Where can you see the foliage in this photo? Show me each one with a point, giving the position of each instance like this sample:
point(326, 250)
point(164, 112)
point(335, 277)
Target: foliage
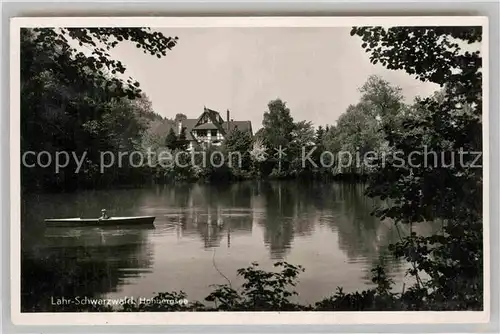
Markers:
point(261, 291)
point(179, 168)
point(379, 298)
point(437, 190)
point(73, 99)
point(171, 140)
point(320, 132)
point(432, 54)
point(273, 291)
point(237, 146)
point(179, 117)
point(303, 138)
point(277, 125)
point(357, 133)
point(276, 133)
point(182, 143)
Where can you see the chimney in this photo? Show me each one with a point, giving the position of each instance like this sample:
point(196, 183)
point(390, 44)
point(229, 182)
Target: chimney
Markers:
point(228, 120)
point(179, 128)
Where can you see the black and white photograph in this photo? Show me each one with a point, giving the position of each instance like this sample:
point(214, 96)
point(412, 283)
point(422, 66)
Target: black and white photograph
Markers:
point(209, 166)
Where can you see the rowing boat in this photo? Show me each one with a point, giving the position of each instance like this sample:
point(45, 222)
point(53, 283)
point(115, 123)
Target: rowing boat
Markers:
point(118, 221)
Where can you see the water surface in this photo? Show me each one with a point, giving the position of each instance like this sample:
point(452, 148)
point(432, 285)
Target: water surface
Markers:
point(326, 228)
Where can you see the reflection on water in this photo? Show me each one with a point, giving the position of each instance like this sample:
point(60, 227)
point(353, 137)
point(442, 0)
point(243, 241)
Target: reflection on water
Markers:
point(327, 228)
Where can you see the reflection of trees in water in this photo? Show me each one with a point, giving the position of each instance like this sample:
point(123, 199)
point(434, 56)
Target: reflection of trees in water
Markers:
point(70, 266)
point(288, 209)
point(221, 211)
point(360, 235)
point(213, 212)
point(293, 209)
point(287, 213)
point(70, 262)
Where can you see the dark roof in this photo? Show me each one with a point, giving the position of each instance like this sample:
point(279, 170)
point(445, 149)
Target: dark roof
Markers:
point(243, 126)
point(188, 124)
point(213, 115)
point(206, 126)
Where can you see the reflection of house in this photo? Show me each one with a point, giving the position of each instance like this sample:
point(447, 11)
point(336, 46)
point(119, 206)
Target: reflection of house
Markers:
point(210, 128)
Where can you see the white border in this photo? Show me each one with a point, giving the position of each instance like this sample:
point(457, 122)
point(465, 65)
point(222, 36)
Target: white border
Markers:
point(234, 318)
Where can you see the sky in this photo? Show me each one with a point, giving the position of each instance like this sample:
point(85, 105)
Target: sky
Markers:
point(316, 71)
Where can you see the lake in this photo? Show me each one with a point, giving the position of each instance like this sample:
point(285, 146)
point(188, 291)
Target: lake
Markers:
point(201, 230)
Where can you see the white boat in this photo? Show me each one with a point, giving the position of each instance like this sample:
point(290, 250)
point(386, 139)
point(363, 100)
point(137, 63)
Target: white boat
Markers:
point(109, 221)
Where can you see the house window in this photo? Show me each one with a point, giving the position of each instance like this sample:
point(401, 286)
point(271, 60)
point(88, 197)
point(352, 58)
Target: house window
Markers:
point(213, 133)
point(201, 133)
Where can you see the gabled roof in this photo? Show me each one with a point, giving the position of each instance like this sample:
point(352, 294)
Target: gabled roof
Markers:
point(217, 123)
point(206, 126)
point(215, 117)
point(243, 126)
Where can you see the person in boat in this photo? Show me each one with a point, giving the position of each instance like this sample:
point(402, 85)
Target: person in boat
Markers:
point(104, 215)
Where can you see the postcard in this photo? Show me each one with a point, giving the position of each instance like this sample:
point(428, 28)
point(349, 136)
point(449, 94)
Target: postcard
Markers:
point(249, 170)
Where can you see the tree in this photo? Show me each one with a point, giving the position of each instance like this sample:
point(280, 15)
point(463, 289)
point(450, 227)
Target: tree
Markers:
point(303, 138)
point(303, 133)
point(276, 134)
point(50, 50)
point(171, 140)
point(430, 53)
point(449, 193)
point(357, 133)
point(182, 142)
point(180, 117)
point(380, 99)
point(73, 98)
point(277, 125)
point(239, 142)
point(320, 132)
point(258, 155)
